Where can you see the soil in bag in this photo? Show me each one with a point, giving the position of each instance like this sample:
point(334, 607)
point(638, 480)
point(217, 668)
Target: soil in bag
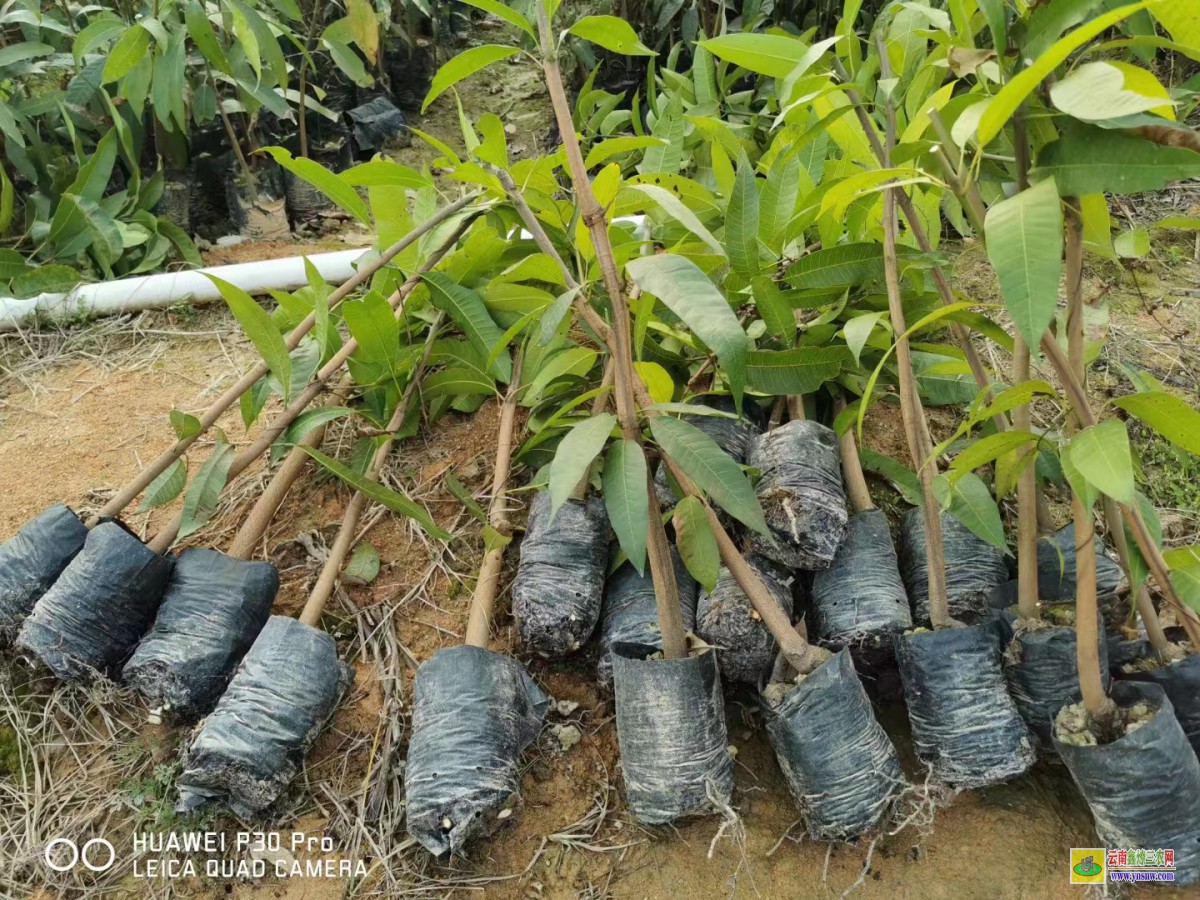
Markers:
point(1144, 787)
point(86, 625)
point(1041, 669)
point(840, 765)
point(251, 746)
point(176, 199)
point(671, 731)
point(974, 568)
point(630, 615)
point(556, 595)
point(801, 492)
point(733, 435)
point(860, 601)
point(376, 125)
point(208, 199)
point(31, 561)
point(965, 726)
point(259, 214)
point(409, 67)
point(1056, 566)
point(474, 713)
point(304, 202)
point(1181, 682)
point(726, 620)
point(213, 609)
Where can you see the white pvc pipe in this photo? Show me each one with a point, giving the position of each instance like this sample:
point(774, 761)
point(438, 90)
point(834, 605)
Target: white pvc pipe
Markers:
point(110, 298)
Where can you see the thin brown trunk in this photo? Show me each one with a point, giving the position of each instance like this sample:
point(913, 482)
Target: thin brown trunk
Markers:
point(795, 407)
point(852, 471)
point(1027, 524)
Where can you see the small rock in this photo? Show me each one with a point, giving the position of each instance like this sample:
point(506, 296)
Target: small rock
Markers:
point(510, 129)
point(504, 814)
point(566, 707)
point(732, 751)
point(231, 240)
point(568, 735)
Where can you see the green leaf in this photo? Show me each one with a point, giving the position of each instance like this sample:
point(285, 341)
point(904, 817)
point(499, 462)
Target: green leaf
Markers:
point(611, 33)
point(626, 499)
point(22, 51)
point(993, 12)
point(126, 53)
point(460, 491)
point(1133, 244)
point(183, 243)
point(12, 264)
point(381, 172)
point(7, 194)
point(800, 370)
point(1009, 98)
point(1088, 160)
point(329, 184)
point(364, 27)
point(372, 323)
point(857, 331)
point(777, 314)
point(1025, 246)
point(711, 468)
point(256, 323)
point(778, 202)
point(1097, 91)
point(741, 221)
point(696, 542)
point(505, 12)
point(603, 151)
point(574, 456)
point(184, 424)
point(200, 501)
point(990, 448)
point(675, 208)
point(668, 157)
point(54, 279)
point(94, 34)
point(363, 567)
point(94, 175)
point(1185, 573)
point(901, 477)
point(838, 266)
point(348, 61)
point(1168, 415)
point(465, 65)
point(969, 500)
point(469, 313)
point(165, 487)
point(685, 290)
point(393, 500)
point(1101, 455)
point(766, 54)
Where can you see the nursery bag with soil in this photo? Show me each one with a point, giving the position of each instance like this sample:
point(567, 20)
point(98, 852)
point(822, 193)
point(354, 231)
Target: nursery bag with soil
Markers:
point(31, 561)
point(630, 615)
point(671, 731)
point(1041, 669)
point(801, 493)
point(965, 726)
point(726, 620)
point(86, 625)
point(251, 746)
point(1180, 680)
point(375, 125)
point(474, 713)
point(556, 595)
point(974, 568)
point(860, 599)
point(1056, 566)
point(1144, 787)
point(213, 609)
point(840, 765)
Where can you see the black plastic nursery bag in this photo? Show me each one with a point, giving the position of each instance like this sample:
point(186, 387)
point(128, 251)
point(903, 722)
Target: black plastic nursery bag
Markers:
point(801, 493)
point(965, 726)
point(87, 624)
point(1181, 682)
point(1056, 566)
point(213, 609)
point(556, 595)
point(726, 620)
point(630, 614)
point(860, 599)
point(671, 730)
point(1144, 787)
point(840, 765)
point(974, 568)
point(252, 745)
point(374, 124)
point(474, 713)
point(31, 561)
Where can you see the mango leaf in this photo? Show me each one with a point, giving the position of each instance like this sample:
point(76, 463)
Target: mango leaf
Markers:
point(625, 498)
point(1101, 455)
point(332, 186)
point(696, 542)
point(1097, 91)
point(993, 12)
point(778, 201)
point(465, 65)
point(378, 172)
point(364, 27)
point(901, 477)
point(766, 54)
point(1139, 571)
point(659, 383)
point(256, 323)
point(713, 470)
point(393, 500)
point(94, 175)
point(988, 449)
point(94, 34)
point(44, 280)
point(165, 487)
point(1132, 244)
point(685, 290)
point(184, 424)
point(468, 311)
point(741, 221)
point(1088, 160)
point(969, 500)
point(203, 36)
point(1168, 415)
point(505, 12)
point(675, 208)
point(1185, 574)
point(574, 456)
point(800, 370)
point(1025, 246)
point(200, 501)
point(126, 53)
point(602, 151)
point(838, 266)
point(363, 567)
point(777, 314)
point(611, 33)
